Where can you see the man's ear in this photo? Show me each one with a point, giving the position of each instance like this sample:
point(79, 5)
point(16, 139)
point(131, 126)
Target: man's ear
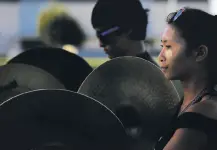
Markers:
point(201, 53)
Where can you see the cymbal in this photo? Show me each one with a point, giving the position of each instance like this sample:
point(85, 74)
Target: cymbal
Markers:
point(179, 88)
point(47, 117)
point(70, 69)
point(18, 78)
point(138, 93)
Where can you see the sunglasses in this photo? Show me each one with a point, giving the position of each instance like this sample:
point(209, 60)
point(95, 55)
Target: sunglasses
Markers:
point(174, 16)
point(106, 37)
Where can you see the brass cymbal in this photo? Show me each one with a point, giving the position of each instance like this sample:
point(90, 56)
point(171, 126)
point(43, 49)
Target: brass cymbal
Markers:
point(45, 117)
point(138, 93)
point(18, 78)
point(70, 69)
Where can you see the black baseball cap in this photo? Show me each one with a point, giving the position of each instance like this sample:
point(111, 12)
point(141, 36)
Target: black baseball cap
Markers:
point(128, 15)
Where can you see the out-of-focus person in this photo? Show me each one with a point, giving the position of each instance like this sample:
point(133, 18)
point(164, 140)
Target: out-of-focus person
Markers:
point(57, 28)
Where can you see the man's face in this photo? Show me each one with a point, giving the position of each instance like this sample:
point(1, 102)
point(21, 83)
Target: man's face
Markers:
point(114, 43)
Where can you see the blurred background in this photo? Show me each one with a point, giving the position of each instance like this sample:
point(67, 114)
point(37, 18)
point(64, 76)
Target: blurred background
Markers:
point(19, 24)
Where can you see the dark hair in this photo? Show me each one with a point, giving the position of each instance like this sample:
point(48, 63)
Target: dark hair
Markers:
point(197, 28)
point(65, 30)
point(128, 15)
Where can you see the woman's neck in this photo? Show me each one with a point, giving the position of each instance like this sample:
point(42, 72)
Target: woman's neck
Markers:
point(192, 87)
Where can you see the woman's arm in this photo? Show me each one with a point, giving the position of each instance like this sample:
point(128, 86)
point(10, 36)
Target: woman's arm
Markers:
point(187, 139)
point(191, 128)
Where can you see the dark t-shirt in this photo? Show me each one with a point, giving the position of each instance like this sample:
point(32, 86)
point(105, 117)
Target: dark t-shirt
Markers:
point(194, 121)
point(145, 55)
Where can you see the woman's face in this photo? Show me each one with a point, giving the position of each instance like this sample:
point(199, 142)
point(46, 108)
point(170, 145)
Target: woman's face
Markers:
point(173, 60)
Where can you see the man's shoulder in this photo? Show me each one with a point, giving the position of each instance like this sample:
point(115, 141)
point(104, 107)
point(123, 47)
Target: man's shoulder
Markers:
point(145, 55)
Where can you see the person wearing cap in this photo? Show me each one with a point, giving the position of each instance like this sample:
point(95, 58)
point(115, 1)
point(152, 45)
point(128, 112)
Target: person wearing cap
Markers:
point(121, 27)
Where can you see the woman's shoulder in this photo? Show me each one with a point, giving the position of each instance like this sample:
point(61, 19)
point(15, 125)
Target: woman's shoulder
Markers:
point(207, 108)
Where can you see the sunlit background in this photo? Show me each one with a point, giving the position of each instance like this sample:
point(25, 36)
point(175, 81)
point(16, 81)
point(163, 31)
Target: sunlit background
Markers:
point(18, 26)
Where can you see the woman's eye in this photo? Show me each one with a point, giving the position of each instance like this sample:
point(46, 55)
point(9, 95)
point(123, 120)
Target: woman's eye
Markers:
point(168, 46)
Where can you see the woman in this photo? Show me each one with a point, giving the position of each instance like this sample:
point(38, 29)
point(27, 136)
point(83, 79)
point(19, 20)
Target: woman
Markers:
point(189, 54)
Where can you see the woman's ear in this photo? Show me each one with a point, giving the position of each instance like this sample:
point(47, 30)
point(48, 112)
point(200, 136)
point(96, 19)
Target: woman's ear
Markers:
point(201, 53)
